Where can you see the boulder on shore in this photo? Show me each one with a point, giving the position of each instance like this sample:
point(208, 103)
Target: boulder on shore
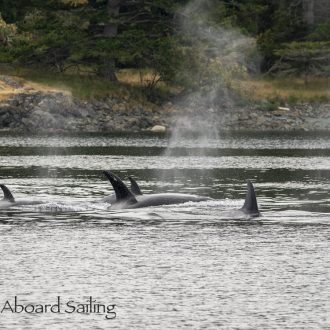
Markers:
point(158, 129)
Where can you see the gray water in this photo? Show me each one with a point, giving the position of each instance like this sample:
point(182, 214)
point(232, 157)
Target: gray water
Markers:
point(189, 266)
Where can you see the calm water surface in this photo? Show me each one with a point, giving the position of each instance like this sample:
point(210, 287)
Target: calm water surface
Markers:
point(189, 266)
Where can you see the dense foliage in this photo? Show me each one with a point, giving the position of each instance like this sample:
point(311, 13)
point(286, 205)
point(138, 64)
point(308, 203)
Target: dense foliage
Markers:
point(163, 36)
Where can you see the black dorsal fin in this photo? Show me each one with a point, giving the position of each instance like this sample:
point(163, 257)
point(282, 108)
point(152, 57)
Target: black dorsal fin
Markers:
point(250, 205)
point(8, 196)
point(135, 189)
point(123, 194)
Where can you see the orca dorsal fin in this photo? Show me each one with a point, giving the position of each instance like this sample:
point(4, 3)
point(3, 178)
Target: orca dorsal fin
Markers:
point(135, 189)
point(7, 195)
point(250, 205)
point(121, 190)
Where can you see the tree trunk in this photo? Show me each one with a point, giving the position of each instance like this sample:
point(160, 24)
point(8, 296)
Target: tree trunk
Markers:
point(107, 69)
point(111, 29)
point(308, 6)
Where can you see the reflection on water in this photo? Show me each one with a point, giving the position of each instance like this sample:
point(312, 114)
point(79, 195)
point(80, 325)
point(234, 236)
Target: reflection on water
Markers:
point(187, 266)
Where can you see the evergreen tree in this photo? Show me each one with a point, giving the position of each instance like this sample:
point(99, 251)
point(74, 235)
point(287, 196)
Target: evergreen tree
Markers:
point(106, 35)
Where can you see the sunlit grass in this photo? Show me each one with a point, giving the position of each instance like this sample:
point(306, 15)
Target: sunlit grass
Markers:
point(137, 77)
point(7, 91)
point(143, 78)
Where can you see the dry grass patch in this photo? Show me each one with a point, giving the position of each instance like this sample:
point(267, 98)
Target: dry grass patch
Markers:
point(291, 90)
point(137, 77)
point(7, 91)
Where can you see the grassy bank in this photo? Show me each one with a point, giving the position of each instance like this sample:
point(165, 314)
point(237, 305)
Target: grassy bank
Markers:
point(285, 90)
point(133, 85)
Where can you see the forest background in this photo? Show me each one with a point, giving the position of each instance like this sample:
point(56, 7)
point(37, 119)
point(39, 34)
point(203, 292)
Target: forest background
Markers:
point(164, 48)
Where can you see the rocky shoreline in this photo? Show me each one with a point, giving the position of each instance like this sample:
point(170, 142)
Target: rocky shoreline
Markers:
point(30, 110)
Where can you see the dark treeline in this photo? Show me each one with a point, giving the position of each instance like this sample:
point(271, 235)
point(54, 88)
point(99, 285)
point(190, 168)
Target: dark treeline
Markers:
point(102, 36)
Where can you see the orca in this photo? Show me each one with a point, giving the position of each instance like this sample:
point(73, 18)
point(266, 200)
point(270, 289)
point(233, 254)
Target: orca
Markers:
point(250, 206)
point(248, 210)
point(7, 195)
point(125, 199)
point(9, 200)
point(135, 189)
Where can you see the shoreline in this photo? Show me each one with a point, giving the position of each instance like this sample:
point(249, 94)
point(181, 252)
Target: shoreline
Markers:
point(28, 109)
